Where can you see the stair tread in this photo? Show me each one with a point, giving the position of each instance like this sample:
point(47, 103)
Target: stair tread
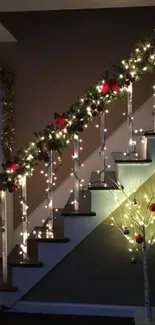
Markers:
point(101, 187)
point(149, 133)
point(135, 161)
point(119, 157)
point(71, 213)
point(53, 240)
point(26, 264)
point(7, 287)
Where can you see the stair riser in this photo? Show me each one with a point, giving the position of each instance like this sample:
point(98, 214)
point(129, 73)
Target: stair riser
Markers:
point(150, 147)
point(104, 202)
point(131, 176)
point(76, 228)
point(9, 298)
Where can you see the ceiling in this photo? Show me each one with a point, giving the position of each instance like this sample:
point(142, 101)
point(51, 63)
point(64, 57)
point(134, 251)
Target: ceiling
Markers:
point(37, 5)
point(13, 7)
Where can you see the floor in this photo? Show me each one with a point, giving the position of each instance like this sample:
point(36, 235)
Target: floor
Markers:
point(11, 318)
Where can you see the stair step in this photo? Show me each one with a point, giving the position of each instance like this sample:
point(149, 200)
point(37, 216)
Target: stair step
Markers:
point(119, 157)
point(101, 187)
point(84, 205)
point(58, 231)
point(78, 214)
point(26, 264)
point(110, 182)
point(6, 287)
point(149, 134)
point(53, 240)
point(133, 161)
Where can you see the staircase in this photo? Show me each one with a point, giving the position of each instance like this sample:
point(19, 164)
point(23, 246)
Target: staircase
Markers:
point(116, 145)
point(70, 229)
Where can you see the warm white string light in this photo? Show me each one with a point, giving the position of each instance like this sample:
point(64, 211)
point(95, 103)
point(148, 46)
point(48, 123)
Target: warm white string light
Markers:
point(25, 233)
point(49, 175)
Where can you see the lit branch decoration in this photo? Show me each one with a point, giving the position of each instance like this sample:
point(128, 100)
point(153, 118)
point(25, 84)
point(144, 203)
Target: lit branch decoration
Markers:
point(136, 222)
point(57, 135)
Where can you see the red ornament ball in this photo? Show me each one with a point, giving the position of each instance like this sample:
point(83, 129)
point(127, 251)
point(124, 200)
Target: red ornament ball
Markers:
point(152, 207)
point(139, 239)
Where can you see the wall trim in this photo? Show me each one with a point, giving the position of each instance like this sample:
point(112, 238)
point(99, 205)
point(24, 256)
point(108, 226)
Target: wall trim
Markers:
point(78, 309)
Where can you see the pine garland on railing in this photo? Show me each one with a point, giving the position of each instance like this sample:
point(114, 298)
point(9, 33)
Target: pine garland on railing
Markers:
point(56, 136)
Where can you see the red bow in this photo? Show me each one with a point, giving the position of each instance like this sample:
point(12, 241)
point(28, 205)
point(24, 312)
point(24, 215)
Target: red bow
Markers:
point(12, 168)
point(107, 86)
point(60, 120)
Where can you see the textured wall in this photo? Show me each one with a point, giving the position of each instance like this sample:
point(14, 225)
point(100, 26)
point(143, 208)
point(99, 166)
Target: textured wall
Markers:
point(58, 56)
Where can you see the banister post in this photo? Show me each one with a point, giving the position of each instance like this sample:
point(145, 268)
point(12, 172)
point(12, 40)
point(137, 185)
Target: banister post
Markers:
point(76, 172)
point(24, 217)
point(129, 120)
point(102, 147)
point(50, 193)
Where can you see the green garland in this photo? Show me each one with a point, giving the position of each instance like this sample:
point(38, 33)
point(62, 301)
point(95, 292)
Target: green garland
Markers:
point(56, 136)
point(8, 112)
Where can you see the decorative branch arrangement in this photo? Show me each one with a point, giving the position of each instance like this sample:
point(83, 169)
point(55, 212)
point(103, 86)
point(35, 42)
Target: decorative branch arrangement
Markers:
point(56, 136)
point(136, 222)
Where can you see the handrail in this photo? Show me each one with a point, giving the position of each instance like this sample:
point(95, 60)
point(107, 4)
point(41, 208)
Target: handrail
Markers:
point(56, 136)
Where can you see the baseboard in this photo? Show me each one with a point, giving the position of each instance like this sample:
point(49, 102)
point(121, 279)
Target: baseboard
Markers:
point(77, 309)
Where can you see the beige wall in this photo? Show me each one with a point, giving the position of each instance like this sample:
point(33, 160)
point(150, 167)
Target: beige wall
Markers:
point(59, 55)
